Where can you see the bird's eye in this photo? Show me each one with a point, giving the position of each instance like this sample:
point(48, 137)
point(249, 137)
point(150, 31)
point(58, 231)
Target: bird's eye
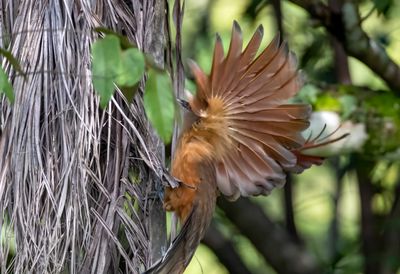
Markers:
point(184, 104)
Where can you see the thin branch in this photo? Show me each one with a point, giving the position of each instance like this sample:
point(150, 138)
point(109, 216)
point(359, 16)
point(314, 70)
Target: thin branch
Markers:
point(334, 227)
point(289, 209)
point(342, 74)
point(391, 234)
point(369, 231)
point(276, 4)
point(345, 25)
point(288, 189)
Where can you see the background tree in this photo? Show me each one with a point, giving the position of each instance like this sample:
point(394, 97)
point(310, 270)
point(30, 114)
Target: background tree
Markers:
point(341, 217)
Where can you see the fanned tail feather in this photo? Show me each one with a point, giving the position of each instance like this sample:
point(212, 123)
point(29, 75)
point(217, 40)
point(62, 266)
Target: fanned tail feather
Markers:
point(305, 161)
point(262, 128)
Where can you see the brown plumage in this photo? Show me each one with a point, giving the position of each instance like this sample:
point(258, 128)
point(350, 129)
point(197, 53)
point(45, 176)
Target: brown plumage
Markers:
point(240, 136)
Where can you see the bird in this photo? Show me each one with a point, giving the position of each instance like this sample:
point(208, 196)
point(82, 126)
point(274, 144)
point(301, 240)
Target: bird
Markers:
point(239, 137)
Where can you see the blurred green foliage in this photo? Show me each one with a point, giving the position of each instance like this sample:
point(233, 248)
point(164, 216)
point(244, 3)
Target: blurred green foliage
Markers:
point(368, 100)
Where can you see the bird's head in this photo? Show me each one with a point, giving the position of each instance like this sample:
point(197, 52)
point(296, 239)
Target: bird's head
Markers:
point(189, 116)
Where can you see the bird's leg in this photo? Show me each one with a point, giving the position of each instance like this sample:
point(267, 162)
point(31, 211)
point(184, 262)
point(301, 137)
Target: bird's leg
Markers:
point(180, 200)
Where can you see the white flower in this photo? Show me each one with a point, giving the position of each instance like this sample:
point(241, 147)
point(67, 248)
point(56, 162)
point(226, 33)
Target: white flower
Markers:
point(331, 120)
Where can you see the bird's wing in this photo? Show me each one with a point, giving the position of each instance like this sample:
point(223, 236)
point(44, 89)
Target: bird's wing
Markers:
point(263, 127)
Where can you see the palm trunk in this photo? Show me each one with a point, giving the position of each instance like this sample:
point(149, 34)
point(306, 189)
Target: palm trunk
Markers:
point(65, 188)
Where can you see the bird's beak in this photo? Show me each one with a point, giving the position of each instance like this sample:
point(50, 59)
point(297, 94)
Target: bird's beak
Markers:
point(184, 104)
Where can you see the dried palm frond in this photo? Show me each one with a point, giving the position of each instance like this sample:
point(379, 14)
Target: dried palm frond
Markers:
point(66, 193)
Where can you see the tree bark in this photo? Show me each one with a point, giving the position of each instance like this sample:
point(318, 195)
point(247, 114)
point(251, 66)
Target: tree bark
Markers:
point(392, 236)
point(371, 242)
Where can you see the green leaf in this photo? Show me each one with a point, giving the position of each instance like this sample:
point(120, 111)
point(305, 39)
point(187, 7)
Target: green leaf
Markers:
point(5, 86)
point(112, 65)
point(106, 63)
point(130, 72)
point(13, 61)
point(124, 42)
point(159, 103)
point(131, 68)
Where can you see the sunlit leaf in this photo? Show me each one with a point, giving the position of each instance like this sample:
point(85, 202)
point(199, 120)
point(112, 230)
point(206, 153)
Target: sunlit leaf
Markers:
point(105, 66)
point(327, 102)
point(159, 103)
point(130, 71)
point(112, 65)
point(5, 86)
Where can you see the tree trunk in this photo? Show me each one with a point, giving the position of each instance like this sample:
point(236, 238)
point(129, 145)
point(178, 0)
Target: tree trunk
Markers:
point(80, 187)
